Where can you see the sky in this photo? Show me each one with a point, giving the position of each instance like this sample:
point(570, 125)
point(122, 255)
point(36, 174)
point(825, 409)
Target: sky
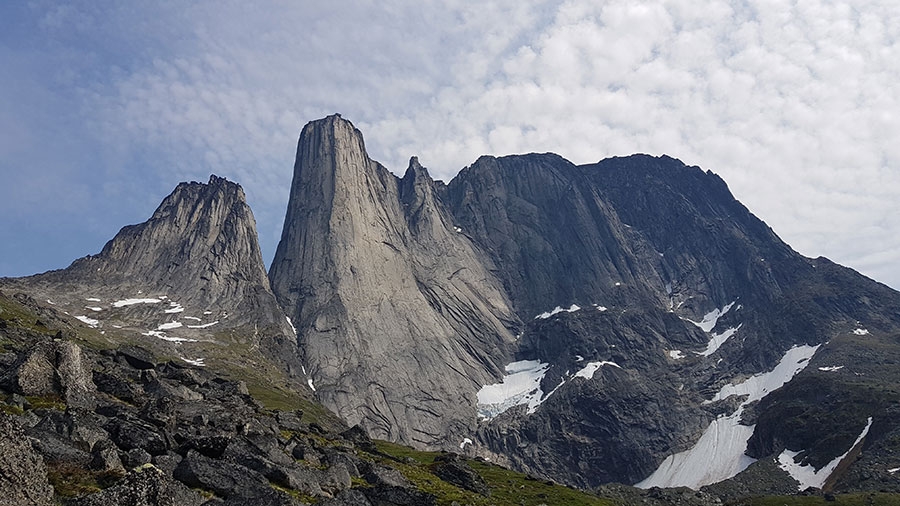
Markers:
point(106, 106)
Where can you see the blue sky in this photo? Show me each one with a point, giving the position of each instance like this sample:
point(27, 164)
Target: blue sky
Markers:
point(106, 106)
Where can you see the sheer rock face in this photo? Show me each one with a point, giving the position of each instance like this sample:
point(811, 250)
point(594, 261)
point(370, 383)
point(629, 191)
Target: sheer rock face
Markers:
point(399, 318)
point(197, 257)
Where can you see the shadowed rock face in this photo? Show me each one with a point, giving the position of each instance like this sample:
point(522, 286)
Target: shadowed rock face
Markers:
point(399, 318)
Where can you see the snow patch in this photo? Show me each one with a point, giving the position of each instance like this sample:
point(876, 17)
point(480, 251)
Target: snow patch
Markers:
point(174, 308)
point(94, 308)
point(195, 361)
point(711, 318)
point(309, 382)
point(894, 470)
point(192, 318)
point(89, 321)
point(521, 385)
point(557, 309)
point(831, 368)
point(457, 229)
point(719, 453)
point(92, 299)
point(676, 354)
point(591, 367)
point(293, 329)
point(205, 325)
point(579, 358)
point(601, 308)
point(50, 302)
point(207, 312)
point(806, 475)
point(169, 326)
point(758, 386)
point(860, 331)
point(718, 340)
point(464, 442)
point(131, 302)
point(160, 335)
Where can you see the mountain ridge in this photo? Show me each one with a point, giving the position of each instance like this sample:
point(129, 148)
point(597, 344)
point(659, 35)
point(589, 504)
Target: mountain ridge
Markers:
point(619, 308)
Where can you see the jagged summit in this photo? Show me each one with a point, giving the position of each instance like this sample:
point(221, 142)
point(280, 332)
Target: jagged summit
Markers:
point(201, 243)
point(191, 271)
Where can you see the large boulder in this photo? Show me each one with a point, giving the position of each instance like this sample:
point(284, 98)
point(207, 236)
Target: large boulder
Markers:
point(222, 478)
point(57, 368)
point(75, 377)
point(145, 486)
point(452, 469)
point(23, 476)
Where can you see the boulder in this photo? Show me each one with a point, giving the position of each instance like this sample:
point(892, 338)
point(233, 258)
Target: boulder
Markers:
point(454, 470)
point(130, 434)
point(347, 498)
point(377, 474)
point(145, 486)
point(222, 478)
point(398, 496)
point(74, 375)
point(105, 458)
point(23, 476)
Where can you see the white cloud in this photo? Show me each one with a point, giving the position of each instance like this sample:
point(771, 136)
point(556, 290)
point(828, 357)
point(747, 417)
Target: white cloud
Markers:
point(793, 104)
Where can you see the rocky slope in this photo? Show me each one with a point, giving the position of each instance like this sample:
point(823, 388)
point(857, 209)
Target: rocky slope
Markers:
point(87, 427)
point(398, 315)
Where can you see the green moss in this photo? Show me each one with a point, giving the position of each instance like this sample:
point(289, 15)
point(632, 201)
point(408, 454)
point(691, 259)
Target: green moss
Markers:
point(839, 500)
point(70, 480)
point(46, 402)
point(18, 316)
point(304, 498)
point(11, 410)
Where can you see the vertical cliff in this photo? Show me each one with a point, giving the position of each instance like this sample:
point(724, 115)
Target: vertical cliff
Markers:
point(399, 320)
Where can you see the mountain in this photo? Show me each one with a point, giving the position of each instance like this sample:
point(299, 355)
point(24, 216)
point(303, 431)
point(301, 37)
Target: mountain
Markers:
point(189, 283)
point(398, 315)
point(681, 297)
point(622, 321)
point(653, 315)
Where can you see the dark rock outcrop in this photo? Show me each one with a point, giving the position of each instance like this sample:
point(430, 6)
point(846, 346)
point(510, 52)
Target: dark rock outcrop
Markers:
point(23, 476)
point(453, 469)
point(146, 486)
point(53, 369)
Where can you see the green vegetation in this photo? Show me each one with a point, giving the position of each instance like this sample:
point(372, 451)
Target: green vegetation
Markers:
point(235, 358)
point(70, 480)
point(47, 402)
point(873, 498)
point(17, 315)
point(507, 487)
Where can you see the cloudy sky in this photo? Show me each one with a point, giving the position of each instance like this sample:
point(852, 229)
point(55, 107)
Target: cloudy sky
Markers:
point(105, 106)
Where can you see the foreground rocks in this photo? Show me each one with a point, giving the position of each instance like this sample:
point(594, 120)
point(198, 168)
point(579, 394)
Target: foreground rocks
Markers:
point(23, 476)
point(119, 427)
